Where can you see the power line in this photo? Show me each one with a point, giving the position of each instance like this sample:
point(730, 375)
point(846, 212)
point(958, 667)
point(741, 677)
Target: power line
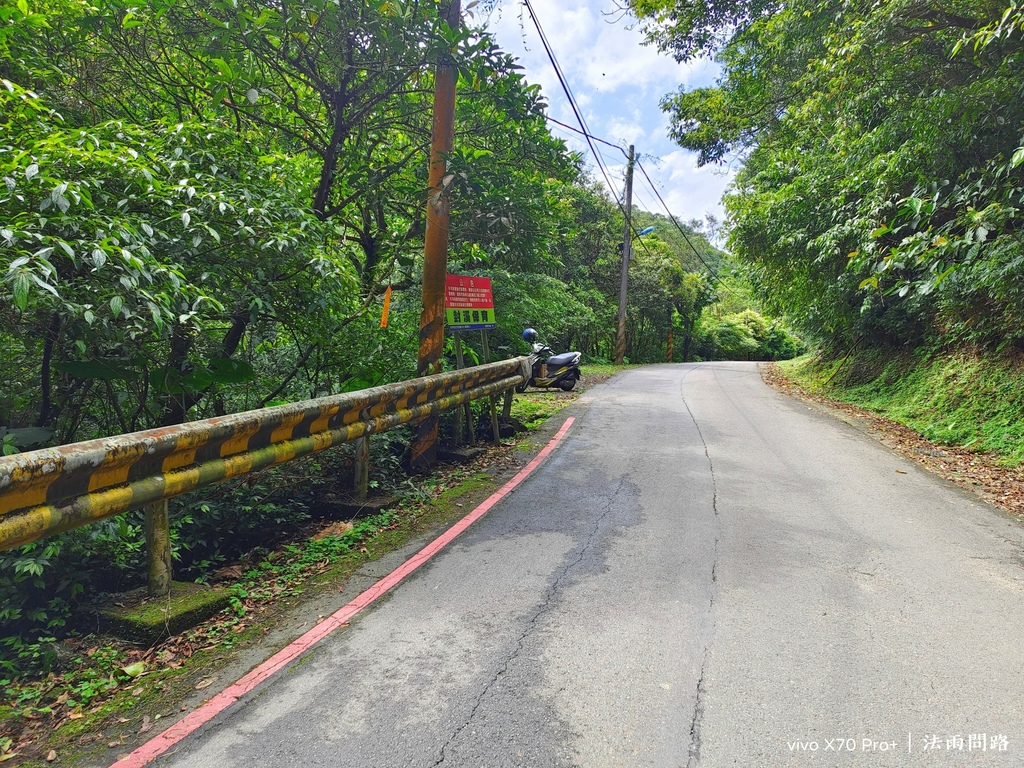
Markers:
point(568, 94)
point(585, 132)
point(672, 218)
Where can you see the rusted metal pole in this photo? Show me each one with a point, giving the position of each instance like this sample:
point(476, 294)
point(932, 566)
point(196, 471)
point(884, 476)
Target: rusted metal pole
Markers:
point(435, 252)
point(627, 243)
point(158, 548)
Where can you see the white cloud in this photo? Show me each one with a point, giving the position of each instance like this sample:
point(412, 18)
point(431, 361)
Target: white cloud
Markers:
point(629, 128)
point(618, 83)
point(689, 191)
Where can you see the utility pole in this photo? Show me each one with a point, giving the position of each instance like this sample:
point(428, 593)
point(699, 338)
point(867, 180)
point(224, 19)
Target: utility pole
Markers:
point(668, 352)
point(435, 251)
point(627, 248)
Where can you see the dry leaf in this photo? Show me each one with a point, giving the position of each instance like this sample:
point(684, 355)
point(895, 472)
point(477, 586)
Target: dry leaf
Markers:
point(146, 724)
point(51, 755)
point(205, 684)
point(227, 573)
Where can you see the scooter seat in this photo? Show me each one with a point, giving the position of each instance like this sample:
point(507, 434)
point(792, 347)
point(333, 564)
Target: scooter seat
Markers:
point(559, 361)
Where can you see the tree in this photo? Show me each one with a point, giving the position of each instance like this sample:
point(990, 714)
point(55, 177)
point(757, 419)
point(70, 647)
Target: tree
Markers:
point(141, 257)
point(873, 177)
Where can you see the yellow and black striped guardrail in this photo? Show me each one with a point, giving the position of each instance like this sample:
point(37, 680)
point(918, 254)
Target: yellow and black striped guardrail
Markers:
point(55, 489)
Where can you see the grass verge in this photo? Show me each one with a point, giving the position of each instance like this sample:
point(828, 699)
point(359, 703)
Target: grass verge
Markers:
point(960, 399)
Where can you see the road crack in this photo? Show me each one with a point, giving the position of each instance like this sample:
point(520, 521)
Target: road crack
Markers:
point(550, 598)
point(698, 707)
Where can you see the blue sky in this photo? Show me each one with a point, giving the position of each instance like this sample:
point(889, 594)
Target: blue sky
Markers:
point(618, 82)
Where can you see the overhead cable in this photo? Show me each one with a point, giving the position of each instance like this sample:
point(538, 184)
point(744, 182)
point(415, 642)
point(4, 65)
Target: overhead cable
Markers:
point(572, 100)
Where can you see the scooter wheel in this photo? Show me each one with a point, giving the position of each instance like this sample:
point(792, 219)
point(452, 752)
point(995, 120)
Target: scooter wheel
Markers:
point(522, 387)
point(567, 384)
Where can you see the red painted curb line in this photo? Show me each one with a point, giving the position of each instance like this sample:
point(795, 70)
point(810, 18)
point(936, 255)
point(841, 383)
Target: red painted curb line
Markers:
point(210, 709)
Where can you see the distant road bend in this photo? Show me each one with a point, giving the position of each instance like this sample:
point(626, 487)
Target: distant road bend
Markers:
point(705, 573)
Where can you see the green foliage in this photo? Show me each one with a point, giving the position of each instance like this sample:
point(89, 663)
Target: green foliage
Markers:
point(744, 335)
point(689, 30)
point(40, 584)
point(122, 246)
point(881, 186)
point(532, 408)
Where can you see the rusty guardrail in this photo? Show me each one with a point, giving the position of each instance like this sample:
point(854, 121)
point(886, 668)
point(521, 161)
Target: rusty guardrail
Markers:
point(56, 489)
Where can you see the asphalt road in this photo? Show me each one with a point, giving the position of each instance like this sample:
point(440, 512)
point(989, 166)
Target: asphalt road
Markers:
point(705, 573)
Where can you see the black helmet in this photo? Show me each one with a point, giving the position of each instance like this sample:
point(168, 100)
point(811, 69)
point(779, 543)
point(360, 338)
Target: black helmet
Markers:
point(530, 335)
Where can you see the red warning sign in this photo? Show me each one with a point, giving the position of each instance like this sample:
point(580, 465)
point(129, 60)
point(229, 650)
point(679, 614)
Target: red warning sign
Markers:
point(468, 303)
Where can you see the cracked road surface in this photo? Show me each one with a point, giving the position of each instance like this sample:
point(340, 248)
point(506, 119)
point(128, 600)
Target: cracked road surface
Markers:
point(705, 573)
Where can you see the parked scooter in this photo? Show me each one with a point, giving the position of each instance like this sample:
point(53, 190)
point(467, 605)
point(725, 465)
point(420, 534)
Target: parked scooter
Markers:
point(549, 369)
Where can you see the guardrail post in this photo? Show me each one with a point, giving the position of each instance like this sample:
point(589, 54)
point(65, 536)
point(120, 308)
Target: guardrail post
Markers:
point(362, 467)
point(463, 416)
point(460, 413)
point(158, 548)
point(493, 400)
point(506, 406)
point(362, 460)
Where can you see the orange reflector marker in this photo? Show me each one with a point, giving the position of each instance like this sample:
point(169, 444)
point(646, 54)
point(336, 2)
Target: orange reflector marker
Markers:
point(387, 308)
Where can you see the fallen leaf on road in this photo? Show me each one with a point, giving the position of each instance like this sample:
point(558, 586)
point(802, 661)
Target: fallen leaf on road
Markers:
point(146, 724)
point(205, 684)
point(51, 755)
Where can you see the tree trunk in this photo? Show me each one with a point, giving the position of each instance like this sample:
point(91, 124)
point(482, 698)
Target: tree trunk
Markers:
point(46, 385)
